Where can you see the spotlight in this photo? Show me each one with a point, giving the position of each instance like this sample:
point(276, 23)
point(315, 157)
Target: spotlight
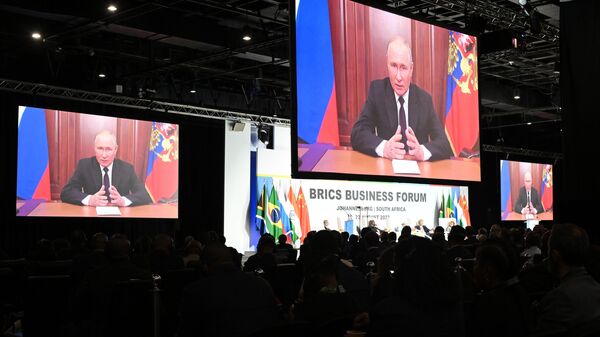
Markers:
point(36, 36)
point(193, 91)
point(516, 93)
point(528, 123)
point(111, 8)
point(102, 75)
point(246, 35)
point(263, 134)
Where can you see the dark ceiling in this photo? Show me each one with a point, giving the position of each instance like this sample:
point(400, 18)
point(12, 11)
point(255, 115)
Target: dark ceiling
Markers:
point(164, 49)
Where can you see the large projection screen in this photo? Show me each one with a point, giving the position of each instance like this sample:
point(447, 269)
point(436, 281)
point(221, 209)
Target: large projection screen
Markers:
point(347, 86)
point(60, 161)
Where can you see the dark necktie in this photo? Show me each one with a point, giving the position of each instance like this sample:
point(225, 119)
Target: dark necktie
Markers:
point(106, 183)
point(402, 121)
point(528, 198)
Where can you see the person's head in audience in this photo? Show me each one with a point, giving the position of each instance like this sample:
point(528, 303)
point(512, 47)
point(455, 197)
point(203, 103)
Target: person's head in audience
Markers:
point(439, 229)
point(532, 240)
point(162, 243)
point(282, 239)
point(482, 234)
point(384, 237)
point(78, 239)
point(371, 240)
point(187, 240)
point(422, 273)
point(142, 246)
point(98, 241)
point(193, 247)
point(568, 248)
point(364, 231)
point(62, 247)
point(44, 251)
point(392, 237)
point(470, 232)
point(266, 244)
point(345, 237)
point(456, 236)
point(495, 264)
point(217, 257)
point(353, 239)
point(117, 249)
point(405, 233)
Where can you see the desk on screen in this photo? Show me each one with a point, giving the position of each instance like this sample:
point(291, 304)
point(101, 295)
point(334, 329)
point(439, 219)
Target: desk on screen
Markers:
point(60, 209)
point(512, 216)
point(345, 161)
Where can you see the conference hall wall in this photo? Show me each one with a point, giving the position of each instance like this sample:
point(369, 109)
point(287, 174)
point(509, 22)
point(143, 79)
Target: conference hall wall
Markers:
point(199, 196)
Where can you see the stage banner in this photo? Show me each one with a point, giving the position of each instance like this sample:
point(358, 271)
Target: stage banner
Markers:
point(350, 205)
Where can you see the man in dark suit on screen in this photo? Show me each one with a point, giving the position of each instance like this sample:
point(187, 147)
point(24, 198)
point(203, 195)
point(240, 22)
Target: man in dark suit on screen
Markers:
point(528, 201)
point(398, 117)
point(103, 180)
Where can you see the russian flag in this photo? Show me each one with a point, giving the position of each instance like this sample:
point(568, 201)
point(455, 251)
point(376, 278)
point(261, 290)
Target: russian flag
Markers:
point(317, 106)
point(162, 174)
point(462, 100)
point(505, 199)
point(33, 175)
point(547, 187)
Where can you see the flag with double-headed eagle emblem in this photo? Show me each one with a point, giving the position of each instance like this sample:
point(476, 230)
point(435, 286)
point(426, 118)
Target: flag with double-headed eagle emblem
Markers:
point(162, 174)
point(462, 94)
point(547, 197)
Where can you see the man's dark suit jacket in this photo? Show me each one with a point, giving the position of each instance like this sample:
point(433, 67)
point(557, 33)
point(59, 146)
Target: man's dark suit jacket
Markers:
point(381, 112)
point(522, 200)
point(87, 180)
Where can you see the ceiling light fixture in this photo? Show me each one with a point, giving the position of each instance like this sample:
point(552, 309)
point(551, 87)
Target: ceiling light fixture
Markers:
point(246, 35)
point(112, 8)
point(516, 93)
point(102, 75)
point(36, 36)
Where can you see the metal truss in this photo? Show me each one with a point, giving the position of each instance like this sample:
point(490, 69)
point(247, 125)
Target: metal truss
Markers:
point(521, 151)
point(136, 103)
point(498, 15)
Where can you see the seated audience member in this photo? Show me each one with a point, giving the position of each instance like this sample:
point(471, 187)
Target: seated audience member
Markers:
point(426, 299)
point(405, 233)
point(502, 308)
point(575, 301)
point(264, 259)
point(226, 302)
point(94, 259)
point(456, 244)
point(95, 293)
point(141, 252)
point(532, 243)
point(162, 258)
point(439, 236)
point(330, 288)
point(191, 254)
point(284, 252)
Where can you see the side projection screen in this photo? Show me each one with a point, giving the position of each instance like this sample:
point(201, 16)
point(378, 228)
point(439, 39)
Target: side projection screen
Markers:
point(379, 94)
point(72, 164)
point(526, 191)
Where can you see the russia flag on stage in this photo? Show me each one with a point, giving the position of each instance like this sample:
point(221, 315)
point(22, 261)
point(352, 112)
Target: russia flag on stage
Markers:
point(162, 174)
point(317, 106)
point(33, 175)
